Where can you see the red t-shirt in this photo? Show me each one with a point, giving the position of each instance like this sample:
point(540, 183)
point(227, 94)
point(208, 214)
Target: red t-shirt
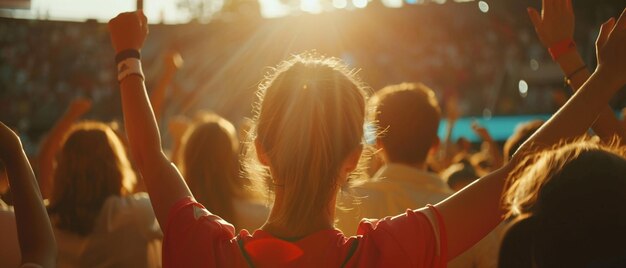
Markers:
point(196, 238)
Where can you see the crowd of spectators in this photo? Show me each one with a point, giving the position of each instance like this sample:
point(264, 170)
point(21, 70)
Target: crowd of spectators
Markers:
point(473, 55)
point(154, 166)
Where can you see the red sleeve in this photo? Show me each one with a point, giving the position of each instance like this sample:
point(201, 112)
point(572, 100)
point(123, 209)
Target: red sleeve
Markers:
point(196, 238)
point(406, 240)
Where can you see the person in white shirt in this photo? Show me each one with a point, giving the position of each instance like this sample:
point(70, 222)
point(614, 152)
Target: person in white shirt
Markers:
point(97, 220)
point(409, 116)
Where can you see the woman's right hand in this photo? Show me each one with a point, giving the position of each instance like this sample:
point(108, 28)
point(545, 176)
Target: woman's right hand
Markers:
point(611, 51)
point(555, 23)
point(128, 31)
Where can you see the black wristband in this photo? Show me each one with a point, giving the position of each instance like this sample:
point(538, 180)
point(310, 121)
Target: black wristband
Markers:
point(125, 54)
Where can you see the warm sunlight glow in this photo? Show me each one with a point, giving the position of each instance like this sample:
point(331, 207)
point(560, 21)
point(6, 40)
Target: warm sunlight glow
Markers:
point(273, 8)
point(167, 11)
point(311, 6)
point(393, 3)
point(340, 4)
point(359, 3)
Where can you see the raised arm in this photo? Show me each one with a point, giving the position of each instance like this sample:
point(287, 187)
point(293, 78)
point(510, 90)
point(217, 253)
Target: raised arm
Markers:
point(164, 183)
point(52, 143)
point(474, 211)
point(177, 126)
point(494, 150)
point(172, 62)
point(34, 232)
point(449, 147)
point(555, 27)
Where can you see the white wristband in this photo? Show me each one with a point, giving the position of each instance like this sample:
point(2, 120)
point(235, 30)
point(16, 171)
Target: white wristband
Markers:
point(128, 67)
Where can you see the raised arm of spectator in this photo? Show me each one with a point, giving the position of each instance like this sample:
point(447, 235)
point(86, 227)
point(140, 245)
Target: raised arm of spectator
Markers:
point(172, 62)
point(474, 211)
point(494, 150)
point(52, 143)
point(555, 28)
point(164, 183)
point(34, 232)
point(449, 147)
point(177, 127)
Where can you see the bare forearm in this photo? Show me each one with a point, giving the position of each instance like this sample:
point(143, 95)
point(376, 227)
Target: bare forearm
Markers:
point(162, 180)
point(475, 210)
point(37, 243)
point(49, 148)
point(496, 154)
point(157, 97)
point(140, 124)
point(575, 117)
point(449, 147)
point(607, 125)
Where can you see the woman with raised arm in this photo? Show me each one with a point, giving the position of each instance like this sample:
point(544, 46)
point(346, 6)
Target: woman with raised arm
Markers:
point(34, 232)
point(308, 139)
point(555, 29)
point(567, 208)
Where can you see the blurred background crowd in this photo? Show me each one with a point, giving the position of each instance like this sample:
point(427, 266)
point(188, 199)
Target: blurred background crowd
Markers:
point(488, 57)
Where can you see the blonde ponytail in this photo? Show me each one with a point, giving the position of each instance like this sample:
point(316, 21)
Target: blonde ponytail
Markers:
point(309, 119)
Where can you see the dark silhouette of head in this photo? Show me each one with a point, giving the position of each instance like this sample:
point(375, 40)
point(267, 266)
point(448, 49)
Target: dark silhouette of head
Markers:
point(568, 208)
point(408, 116)
point(91, 167)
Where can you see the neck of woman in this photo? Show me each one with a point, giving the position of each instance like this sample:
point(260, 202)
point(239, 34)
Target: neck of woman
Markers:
point(324, 220)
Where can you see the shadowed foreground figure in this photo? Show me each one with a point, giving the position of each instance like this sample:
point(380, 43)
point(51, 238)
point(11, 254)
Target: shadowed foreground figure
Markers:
point(568, 208)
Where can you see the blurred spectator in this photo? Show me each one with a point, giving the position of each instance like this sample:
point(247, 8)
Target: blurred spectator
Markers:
point(521, 134)
point(97, 221)
point(209, 163)
point(568, 209)
point(409, 116)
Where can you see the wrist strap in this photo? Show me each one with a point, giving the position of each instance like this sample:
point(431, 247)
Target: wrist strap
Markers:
point(125, 54)
point(557, 50)
point(568, 78)
point(129, 66)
